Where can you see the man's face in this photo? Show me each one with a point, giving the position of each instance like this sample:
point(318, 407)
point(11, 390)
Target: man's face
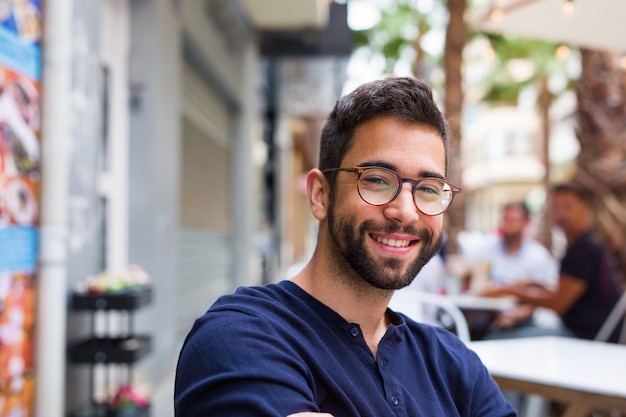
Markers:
point(513, 222)
point(569, 213)
point(386, 245)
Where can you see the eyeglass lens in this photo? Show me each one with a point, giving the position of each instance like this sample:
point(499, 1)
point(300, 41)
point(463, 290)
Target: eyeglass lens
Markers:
point(379, 186)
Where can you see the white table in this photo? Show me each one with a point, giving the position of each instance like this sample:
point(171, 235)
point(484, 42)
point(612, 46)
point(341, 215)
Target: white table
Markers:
point(480, 311)
point(586, 375)
point(466, 301)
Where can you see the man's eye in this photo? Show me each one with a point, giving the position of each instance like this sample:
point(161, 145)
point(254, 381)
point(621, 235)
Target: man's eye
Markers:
point(428, 190)
point(376, 180)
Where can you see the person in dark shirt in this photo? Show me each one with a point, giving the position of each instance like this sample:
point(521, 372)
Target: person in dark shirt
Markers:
point(588, 284)
point(325, 342)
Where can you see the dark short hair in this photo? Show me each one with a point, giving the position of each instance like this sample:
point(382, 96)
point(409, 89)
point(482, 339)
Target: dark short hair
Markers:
point(518, 204)
point(572, 188)
point(403, 98)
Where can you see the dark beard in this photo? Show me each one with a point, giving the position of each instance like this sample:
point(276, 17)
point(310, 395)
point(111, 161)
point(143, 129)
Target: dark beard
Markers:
point(350, 252)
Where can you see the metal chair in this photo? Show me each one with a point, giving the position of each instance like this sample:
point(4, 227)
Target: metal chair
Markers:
point(412, 303)
point(618, 313)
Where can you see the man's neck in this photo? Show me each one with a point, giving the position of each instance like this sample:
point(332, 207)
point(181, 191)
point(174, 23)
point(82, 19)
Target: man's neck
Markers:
point(512, 244)
point(574, 235)
point(357, 302)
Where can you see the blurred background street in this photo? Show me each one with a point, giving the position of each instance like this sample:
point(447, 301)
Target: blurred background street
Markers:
point(157, 149)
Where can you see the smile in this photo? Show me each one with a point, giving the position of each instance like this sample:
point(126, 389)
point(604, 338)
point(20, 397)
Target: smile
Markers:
point(392, 242)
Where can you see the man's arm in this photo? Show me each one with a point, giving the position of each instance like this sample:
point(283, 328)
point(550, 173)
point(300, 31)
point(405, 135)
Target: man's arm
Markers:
point(234, 364)
point(559, 299)
point(508, 319)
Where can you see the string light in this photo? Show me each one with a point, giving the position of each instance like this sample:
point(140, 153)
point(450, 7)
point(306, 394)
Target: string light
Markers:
point(496, 15)
point(497, 10)
point(500, 7)
point(562, 52)
point(489, 54)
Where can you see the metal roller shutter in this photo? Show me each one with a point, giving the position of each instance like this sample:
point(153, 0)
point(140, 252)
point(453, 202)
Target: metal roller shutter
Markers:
point(205, 202)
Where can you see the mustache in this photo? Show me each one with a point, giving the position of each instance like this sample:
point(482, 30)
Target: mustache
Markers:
point(390, 228)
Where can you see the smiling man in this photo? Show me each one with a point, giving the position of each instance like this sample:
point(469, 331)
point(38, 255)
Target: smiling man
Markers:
point(325, 341)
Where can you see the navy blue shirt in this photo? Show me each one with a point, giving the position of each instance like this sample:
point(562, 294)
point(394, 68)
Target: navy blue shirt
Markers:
point(591, 262)
point(275, 350)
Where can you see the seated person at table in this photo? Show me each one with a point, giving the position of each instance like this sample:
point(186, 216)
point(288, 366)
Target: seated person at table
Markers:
point(588, 285)
point(513, 257)
point(325, 341)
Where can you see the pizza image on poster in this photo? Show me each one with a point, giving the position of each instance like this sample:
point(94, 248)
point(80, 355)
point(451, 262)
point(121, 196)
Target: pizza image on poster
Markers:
point(19, 149)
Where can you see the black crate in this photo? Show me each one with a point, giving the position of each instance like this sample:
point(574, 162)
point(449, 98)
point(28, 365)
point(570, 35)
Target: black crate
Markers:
point(117, 300)
point(110, 350)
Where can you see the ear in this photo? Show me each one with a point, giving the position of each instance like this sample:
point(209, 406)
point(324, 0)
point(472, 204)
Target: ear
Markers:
point(319, 193)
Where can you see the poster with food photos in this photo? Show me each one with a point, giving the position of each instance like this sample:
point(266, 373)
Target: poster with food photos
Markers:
point(20, 156)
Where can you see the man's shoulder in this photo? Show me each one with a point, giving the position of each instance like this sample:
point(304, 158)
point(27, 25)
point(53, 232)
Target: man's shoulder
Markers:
point(587, 246)
point(535, 248)
point(250, 313)
point(259, 301)
point(245, 294)
point(281, 308)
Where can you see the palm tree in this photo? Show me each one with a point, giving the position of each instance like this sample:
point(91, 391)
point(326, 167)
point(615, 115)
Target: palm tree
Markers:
point(601, 166)
point(504, 88)
point(456, 39)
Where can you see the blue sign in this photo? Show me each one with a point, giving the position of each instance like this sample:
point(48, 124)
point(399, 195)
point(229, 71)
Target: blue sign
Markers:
point(18, 249)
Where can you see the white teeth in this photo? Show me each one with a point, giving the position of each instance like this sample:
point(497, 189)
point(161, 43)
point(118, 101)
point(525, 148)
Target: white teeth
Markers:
point(392, 242)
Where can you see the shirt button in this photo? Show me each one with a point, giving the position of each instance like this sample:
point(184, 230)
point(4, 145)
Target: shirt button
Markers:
point(395, 401)
point(354, 331)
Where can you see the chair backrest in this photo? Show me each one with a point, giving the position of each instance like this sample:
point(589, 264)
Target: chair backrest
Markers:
point(617, 313)
point(411, 303)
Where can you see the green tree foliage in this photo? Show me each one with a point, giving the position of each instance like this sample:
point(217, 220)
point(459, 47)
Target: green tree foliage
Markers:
point(402, 25)
point(502, 86)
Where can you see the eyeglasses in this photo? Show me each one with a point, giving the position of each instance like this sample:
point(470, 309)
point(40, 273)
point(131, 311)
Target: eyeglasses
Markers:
point(378, 186)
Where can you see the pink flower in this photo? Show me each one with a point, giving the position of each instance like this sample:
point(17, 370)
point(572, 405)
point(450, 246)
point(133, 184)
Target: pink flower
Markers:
point(127, 397)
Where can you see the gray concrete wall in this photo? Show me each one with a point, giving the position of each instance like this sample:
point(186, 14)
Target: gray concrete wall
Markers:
point(162, 36)
point(154, 170)
point(85, 254)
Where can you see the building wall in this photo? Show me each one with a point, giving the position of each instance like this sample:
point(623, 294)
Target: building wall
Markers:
point(205, 265)
point(502, 163)
point(154, 171)
point(307, 90)
point(85, 238)
point(502, 160)
point(189, 197)
point(190, 224)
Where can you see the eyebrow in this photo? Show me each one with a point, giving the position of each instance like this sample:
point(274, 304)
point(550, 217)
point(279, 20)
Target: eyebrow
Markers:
point(383, 164)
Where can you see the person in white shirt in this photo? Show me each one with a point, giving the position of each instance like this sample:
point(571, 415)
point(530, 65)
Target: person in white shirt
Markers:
point(514, 257)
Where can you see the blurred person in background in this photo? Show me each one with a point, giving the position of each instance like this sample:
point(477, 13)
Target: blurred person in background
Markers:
point(514, 257)
point(588, 286)
point(326, 341)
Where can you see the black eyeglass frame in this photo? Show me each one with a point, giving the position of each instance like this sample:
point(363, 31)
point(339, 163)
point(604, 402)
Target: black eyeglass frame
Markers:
point(401, 180)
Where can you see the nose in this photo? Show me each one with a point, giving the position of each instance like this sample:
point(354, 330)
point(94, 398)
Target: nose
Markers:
point(402, 208)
